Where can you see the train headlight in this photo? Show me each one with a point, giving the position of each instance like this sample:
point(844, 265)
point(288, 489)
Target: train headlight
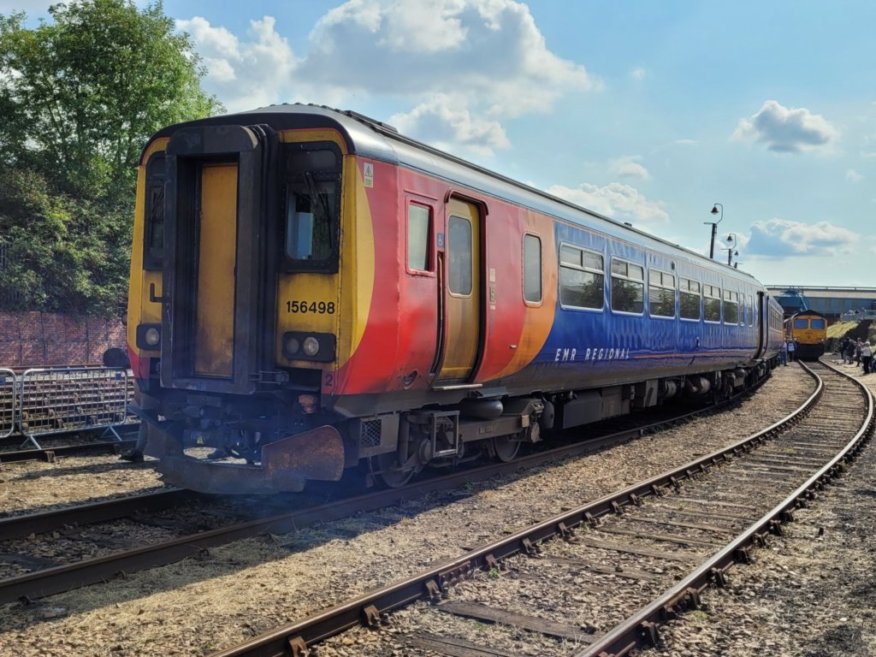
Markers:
point(149, 336)
point(311, 346)
point(152, 336)
point(301, 345)
point(292, 345)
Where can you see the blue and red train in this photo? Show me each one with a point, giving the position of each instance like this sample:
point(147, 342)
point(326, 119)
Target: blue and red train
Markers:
point(312, 291)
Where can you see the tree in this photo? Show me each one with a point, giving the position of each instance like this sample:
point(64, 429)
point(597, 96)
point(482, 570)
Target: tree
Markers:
point(79, 96)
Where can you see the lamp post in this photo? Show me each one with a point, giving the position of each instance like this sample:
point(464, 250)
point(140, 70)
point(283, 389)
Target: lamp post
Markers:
point(714, 225)
point(731, 248)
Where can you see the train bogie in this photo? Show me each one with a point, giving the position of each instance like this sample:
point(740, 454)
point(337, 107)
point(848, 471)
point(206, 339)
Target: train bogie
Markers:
point(311, 292)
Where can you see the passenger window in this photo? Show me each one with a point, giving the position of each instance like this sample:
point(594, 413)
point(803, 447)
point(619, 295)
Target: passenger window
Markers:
point(312, 201)
point(459, 246)
point(731, 307)
point(711, 303)
point(661, 293)
point(153, 238)
point(627, 287)
point(689, 299)
point(531, 268)
point(582, 278)
point(419, 230)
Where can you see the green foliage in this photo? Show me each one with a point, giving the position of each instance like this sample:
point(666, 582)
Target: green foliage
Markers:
point(79, 96)
point(61, 254)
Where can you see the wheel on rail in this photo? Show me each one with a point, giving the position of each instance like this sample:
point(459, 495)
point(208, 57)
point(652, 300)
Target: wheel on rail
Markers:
point(505, 448)
point(387, 470)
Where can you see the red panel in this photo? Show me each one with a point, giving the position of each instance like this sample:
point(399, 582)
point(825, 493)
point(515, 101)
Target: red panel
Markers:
point(398, 346)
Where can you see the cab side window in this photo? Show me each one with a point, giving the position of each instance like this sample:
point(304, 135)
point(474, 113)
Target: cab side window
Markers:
point(153, 238)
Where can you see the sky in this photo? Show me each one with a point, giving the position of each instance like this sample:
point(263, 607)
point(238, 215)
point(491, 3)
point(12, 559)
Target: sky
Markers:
point(650, 112)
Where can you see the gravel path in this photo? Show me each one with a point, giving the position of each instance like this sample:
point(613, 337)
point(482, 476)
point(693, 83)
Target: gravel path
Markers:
point(238, 590)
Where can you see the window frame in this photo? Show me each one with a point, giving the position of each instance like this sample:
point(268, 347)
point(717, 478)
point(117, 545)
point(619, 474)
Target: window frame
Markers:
point(451, 250)
point(330, 264)
point(583, 268)
point(152, 261)
point(626, 277)
point(699, 295)
point(663, 286)
point(729, 297)
point(717, 298)
point(430, 239)
point(540, 300)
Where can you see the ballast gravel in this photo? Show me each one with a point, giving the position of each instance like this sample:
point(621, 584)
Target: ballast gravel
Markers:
point(811, 592)
point(234, 592)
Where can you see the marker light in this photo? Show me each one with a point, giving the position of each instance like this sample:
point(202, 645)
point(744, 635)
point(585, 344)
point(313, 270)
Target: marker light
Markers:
point(311, 346)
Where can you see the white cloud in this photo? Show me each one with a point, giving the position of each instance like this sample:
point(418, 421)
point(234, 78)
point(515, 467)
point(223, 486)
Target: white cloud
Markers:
point(489, 51)
point(783, 238)
point(853, 176)
point(787, 130)
point(629, 167)
point(461, 66)
point(638, 74)
point(445, 121)
point(615, 200)
point(244, 74)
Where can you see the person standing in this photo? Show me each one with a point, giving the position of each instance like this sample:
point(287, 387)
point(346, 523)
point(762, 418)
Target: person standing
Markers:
point(866, 356)
point(792, 349)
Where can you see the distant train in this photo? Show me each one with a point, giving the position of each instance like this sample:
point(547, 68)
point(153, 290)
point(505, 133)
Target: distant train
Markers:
point(808, 329)
point(313, 292)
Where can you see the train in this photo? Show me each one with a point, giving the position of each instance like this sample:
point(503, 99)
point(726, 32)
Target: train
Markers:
point(808, 330)
point(314, 294)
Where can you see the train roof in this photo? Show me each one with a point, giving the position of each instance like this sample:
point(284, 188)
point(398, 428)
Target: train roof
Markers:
point(376, 140)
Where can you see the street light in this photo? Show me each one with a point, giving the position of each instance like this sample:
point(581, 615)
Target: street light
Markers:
point(731, 247)
point(714, 225)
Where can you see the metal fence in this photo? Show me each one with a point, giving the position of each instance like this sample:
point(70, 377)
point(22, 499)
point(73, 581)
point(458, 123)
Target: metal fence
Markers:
point(44, 401)
point(7, 402)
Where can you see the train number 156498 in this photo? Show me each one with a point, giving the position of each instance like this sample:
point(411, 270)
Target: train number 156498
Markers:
point(316, 307)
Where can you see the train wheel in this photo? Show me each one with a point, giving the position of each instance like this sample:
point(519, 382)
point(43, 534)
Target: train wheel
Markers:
point(505, 448)
point(389, 472)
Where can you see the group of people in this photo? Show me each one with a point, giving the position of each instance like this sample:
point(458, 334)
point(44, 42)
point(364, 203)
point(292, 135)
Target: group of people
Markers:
point(857, 352)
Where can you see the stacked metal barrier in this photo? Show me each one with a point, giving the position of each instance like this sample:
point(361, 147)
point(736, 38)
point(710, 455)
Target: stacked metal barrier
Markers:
point(40, 402)
point(7, 402)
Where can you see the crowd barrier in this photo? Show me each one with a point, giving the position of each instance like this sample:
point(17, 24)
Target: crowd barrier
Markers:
point(43, 401)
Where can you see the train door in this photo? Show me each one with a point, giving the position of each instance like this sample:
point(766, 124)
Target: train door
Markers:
point(762, 319)
point(217, 260)
point(217, 297)
point(461, 295)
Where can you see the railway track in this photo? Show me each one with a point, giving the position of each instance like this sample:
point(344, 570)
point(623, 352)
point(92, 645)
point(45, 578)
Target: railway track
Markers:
point(630, 560)
point(34, 576)
point(49, 453)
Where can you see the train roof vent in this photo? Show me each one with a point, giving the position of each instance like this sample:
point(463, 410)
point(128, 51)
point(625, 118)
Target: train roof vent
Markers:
point(369, 121)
